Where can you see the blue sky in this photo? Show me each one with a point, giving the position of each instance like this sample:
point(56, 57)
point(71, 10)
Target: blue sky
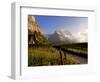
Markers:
point(49, 24)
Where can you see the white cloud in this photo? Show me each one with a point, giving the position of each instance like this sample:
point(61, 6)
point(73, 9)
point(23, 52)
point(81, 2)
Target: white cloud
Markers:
point(82, 36)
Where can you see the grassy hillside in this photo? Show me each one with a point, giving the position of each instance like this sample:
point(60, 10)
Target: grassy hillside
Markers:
point(48, 55)
point(43, 56)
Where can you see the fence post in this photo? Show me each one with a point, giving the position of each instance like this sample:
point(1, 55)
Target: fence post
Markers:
point(61, 57)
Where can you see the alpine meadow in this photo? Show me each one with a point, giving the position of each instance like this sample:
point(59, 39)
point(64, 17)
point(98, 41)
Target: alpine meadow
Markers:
point(57, 40)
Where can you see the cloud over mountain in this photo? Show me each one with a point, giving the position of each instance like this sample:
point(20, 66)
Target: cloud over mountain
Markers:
point(66, 37)
point(62, 37)
point(82, 36)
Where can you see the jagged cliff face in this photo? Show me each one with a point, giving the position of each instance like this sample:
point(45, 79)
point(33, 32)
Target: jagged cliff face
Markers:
point(32, 25)
point(35, 33)
point(62, 37)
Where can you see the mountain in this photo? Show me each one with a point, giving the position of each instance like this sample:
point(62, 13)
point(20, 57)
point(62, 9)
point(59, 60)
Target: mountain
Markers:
point(36, 35)
point(33, 26)
point(61, 37)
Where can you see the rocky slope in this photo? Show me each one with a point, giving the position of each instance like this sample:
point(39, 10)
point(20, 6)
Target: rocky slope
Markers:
point(35, 33)
point(62, 37)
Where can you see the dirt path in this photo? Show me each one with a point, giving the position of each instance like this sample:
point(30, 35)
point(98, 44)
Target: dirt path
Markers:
point(77, 59)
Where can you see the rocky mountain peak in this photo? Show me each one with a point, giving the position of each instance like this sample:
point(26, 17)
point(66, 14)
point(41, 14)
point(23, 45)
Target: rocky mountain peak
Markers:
point(33, 26)
point(62, 37)
point(36, 35)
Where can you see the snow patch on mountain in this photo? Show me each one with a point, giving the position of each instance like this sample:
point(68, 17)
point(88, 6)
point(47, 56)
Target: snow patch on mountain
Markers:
point(66, 37)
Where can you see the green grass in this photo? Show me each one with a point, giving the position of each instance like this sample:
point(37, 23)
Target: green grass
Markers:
point(74, 45)
point(45, 56)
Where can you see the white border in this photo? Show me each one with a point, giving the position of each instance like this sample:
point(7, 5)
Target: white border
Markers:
point(19, 61)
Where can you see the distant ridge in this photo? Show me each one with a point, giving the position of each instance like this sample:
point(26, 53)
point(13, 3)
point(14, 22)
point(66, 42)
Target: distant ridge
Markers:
point(61, 37)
